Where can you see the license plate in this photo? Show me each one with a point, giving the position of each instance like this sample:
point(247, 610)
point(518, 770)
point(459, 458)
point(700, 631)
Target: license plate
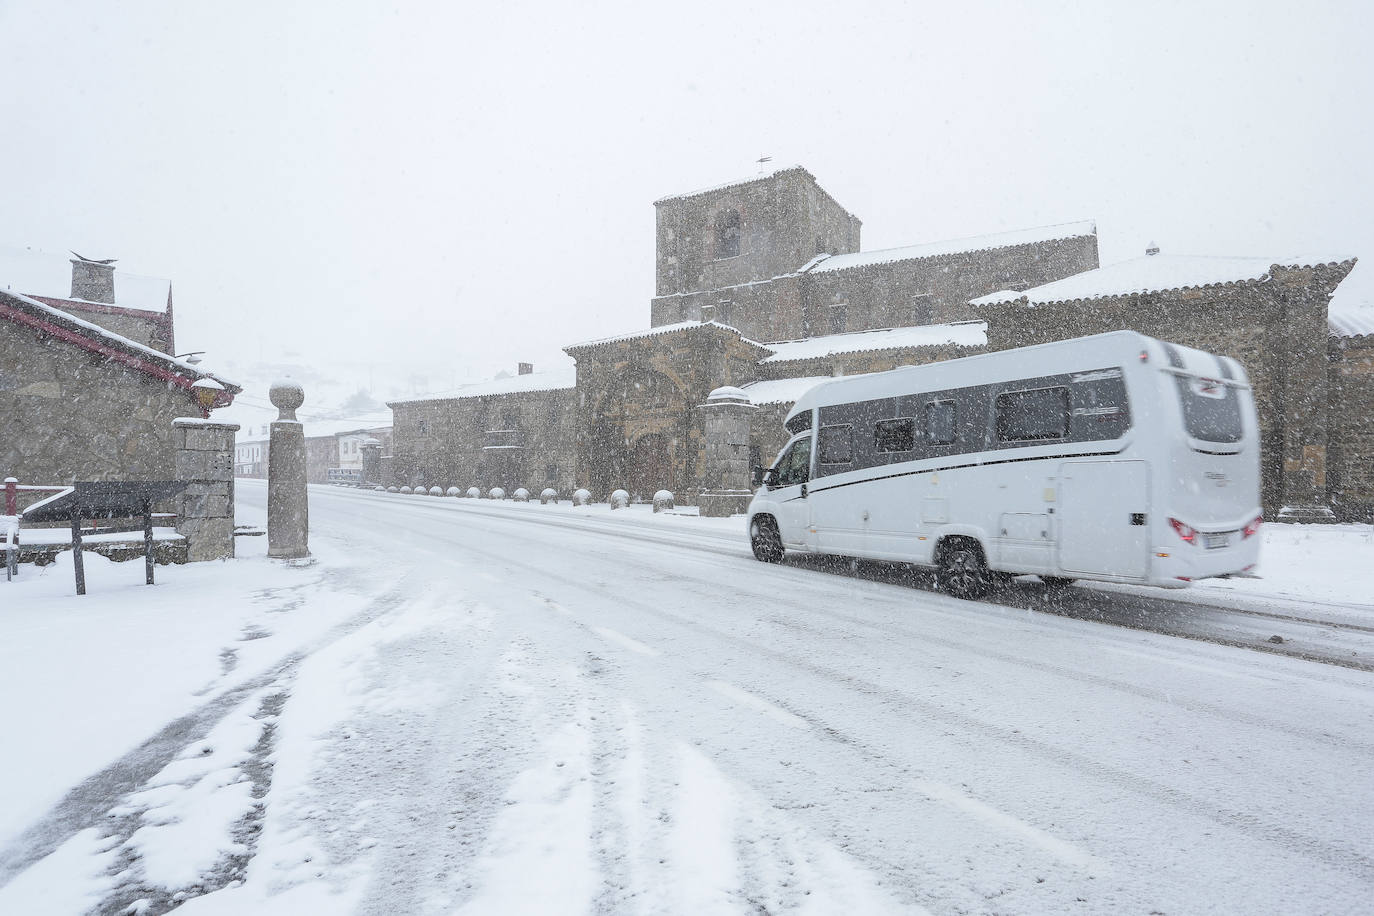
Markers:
point(1213, 541)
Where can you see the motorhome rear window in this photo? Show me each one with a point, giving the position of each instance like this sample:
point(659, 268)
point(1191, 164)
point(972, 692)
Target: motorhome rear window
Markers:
point(894, 435)
point(1024, 416)
point(1211, 410)
point(836, 444)
point(940, 428)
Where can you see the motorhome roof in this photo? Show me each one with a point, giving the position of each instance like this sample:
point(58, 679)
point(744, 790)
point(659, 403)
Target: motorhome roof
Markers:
point(967, 370)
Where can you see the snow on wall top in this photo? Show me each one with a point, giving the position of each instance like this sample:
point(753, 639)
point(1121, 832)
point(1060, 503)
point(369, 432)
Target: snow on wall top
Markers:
point(963, 334)
point(1150, 273)
point(773, 173)
point(552, 380)
point(783, 390)
point(958, 246)
point(95, 331)
point(656, 331)
point(37, 273)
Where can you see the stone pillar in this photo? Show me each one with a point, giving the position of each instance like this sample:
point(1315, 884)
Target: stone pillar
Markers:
point(725, 480)
point(204, 456)
point(288, 521)
point(372, 463)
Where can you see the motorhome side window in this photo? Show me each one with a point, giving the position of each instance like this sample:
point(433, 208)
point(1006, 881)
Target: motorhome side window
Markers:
point(1024, 416)
point(836, 445)
point(794, 466)
point(894, 435)
point(940, 429)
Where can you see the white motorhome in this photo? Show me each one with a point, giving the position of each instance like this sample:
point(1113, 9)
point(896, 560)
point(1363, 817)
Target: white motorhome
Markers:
point(1117, 458)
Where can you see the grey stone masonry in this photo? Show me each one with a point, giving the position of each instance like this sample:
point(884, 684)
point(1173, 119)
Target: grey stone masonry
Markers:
point(725, 475)
point(204, 455)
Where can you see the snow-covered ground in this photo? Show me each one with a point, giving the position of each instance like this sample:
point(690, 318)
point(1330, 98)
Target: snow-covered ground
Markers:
point(456, 707)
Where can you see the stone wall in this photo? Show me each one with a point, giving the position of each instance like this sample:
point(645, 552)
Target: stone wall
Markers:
point(764, 311)
point(934, 290)
point(67, 414)
point(445, 443)
point(1350, 457)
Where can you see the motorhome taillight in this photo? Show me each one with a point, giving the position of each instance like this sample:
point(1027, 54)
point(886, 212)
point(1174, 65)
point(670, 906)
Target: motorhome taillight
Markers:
point(1184, 531)
point(1253, 527)
point(1144, 356)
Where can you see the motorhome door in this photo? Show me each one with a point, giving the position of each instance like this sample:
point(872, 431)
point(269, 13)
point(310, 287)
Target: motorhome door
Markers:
point(1103, 522)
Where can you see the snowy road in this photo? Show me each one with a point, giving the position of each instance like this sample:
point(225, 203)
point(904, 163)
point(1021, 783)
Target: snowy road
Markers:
point(540, 714)
point(658, 725)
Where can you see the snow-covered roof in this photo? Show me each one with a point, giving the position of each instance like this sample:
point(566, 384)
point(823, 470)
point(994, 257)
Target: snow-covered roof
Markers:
point(963, 334)
point(99, 334)
point(957, 246)
point(1151, 273)
point(782, 390)
point(1351, 322)
point(771, 173)
point(551, 380)
point(661, 329)
point(1351, 312)
point(37, 273)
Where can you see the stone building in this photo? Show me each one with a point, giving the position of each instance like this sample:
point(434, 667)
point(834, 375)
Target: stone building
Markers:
point(761, 285)
point(78, 402)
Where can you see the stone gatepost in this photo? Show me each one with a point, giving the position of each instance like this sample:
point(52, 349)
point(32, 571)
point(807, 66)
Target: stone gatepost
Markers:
point(288, 519)
point(372, 463)
point(725, 480)
point(204, 456)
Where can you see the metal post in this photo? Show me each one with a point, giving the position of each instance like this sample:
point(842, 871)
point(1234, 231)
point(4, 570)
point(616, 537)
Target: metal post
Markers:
point(148, 537)
point(76, 551)
point(11, 496)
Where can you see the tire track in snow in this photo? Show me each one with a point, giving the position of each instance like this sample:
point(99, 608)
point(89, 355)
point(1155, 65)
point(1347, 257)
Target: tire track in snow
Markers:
point(978, 732)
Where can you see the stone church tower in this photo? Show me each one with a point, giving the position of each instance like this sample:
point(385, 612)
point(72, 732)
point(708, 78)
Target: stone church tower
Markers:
point(732, 253)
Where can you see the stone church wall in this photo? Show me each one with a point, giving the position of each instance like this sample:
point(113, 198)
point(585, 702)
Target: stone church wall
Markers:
point(1350, 459)
point(148, 328)
point(934, 290)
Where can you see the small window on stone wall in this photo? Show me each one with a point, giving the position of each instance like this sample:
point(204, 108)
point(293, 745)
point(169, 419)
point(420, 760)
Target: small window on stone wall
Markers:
point(551, 474)
point(727, 234)
point(424, 427)
point(837, 318)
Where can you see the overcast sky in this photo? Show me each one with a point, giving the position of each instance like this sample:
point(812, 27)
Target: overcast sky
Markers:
point(427, 193)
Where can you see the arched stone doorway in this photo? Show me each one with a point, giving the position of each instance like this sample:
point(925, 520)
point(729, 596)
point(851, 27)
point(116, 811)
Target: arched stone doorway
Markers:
point(637, 423)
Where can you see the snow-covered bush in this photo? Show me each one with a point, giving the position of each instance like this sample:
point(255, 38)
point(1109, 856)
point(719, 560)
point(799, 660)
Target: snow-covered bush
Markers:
point(496, 493)
point(380, 489)
point(581, 497)
point(474, 493)
point(436, 491)
point(620, 499)
point(393, 489)
point(549, 495)
point(663, 500)
point(405, 489)
point(521, 495)
point(454, 491)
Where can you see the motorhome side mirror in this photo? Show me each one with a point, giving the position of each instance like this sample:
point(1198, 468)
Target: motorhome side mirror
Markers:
point(756, 475)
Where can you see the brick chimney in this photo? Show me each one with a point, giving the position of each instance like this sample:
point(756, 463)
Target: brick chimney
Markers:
point(526, 368)
point(93, 281)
